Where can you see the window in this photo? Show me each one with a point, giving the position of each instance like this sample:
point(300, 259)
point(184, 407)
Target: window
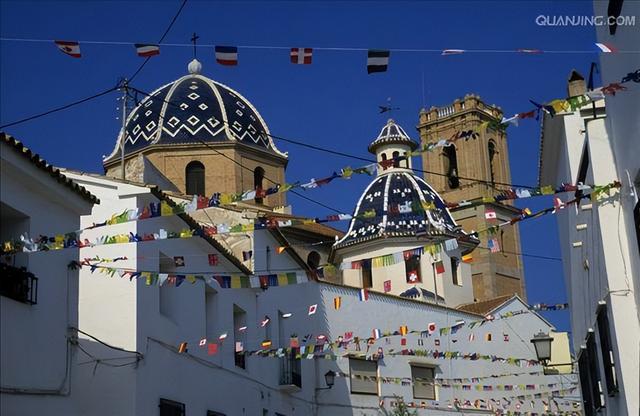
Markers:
point(239, 321)
point(406, 160)
point(258, 176)
point(291, 369)
point(195, 178)
point(18, 284)
point(412, 267)
point(171, 408)
point(607, 351)
point(367, 278)
point(313, 260)
point(590, 384)
point(455, 262)
point(396, 159)
point(492, 152)
point(451, 166)
point(423, 387)
point(363, 376)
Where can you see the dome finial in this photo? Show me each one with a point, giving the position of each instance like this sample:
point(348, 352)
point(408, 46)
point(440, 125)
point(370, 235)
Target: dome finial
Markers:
point(195, 67)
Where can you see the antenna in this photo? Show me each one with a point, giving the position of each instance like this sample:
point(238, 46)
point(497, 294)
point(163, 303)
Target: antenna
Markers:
point(125, 98)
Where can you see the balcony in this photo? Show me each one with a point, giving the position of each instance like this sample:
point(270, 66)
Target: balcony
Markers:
point(290, 373)
point(18, 284)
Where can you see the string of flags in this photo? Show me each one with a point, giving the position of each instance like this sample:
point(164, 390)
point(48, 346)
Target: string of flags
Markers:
point(598, 47)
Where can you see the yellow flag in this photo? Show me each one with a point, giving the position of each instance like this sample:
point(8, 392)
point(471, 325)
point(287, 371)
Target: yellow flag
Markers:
point(282, 279)
point(235, 282)
point(191, 278)
point(165, 209)
point(547, 190)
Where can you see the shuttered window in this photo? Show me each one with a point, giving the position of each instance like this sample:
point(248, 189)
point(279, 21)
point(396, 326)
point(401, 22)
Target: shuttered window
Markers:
point(423, 387)
point(364, 375)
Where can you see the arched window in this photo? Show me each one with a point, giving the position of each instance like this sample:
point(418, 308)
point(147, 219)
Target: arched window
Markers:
point(492, 152)
point(406, 160)
point(383, 158)
point(396, 161)
point(258, 176)
point(313, 260)
point(451, 166)
point(194, 178)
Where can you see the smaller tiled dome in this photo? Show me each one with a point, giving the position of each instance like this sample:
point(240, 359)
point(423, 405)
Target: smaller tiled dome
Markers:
point(393, 196)
point(392, 133)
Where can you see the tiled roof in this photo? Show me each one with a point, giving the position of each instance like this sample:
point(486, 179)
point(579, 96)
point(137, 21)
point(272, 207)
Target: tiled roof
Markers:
point(42, 164)
point(485, 306)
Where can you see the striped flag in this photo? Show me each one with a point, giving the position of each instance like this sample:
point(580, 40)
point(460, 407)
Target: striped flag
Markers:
point(471, 337)
point(377, 61)
point(467, 258)
point(493, 245)
point(147, 50)
point(376, 333)
point(71, 48)
point(606, 47)
point(337, 302)
point(227, 55)
point(301, 56)
point(364, 295)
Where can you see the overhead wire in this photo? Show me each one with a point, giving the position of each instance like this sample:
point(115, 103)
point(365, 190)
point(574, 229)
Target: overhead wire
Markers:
point(166, 32)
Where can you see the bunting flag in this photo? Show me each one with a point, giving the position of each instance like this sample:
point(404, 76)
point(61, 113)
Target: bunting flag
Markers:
point(313, 309)
point(439, 267)
point(337, 302)
point(431, 328)
point(203, 342)
point(178, 261)
point(147, 50)
point(387, 286)
point(452, 52)
point(467, 258)
point(212, 349)
point(227, 55)
point(301, 56)
point(363, 294)
point(606, 47)
point(213, 259)
point(71, 48)
point(530, 51)
point(493, 245)
point(490, 214)
point(377, 60)
point(182, 348)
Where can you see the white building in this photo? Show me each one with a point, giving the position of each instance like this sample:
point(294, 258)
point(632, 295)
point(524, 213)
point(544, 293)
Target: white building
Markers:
point(38, 294)
point(597, 144)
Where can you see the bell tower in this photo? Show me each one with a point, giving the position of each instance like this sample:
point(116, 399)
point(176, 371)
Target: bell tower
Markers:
point(483, 156)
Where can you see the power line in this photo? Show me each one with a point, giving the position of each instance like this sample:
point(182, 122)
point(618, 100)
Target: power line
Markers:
point(166, 32)
point(64, 107)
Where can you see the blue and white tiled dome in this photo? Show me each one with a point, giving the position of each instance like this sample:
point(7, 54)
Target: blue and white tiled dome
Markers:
point(387, 194)
point(190, 110)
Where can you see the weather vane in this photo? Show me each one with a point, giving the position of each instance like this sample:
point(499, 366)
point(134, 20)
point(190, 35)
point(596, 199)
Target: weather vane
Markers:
point(194, 39)
point(388, 107)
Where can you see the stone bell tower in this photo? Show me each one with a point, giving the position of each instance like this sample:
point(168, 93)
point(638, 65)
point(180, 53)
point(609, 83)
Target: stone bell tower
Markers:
point(485, 157)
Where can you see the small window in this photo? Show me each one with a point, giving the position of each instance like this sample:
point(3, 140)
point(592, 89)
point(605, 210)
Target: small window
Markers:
point(492, 152)
point(258, 176)
point(396, 159)
point(590, 384)
point(171, 408)
point(18, 284)
point(607, 351)
point(363, 376)
point(313, 260)
point(423, 386)
point(239, 321)
point(451, 166)
point(455, 262)
point(412, 267)
point(194, 174)
point(367, 278)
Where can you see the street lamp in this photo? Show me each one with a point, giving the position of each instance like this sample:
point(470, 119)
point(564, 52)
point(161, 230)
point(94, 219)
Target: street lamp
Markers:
point(542, 343)
point(330, 378)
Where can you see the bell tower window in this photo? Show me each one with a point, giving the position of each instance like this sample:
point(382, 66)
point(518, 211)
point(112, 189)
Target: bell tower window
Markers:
point(383, 158)
point(451, 166)
point(396, 160)
point(258, 176)
point(492, 152)
point(194, 174)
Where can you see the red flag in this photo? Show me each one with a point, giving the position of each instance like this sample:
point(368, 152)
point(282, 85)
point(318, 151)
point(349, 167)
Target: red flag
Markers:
point(213, 349)
point(301, 56)
point(71, 48)
point(147, 50)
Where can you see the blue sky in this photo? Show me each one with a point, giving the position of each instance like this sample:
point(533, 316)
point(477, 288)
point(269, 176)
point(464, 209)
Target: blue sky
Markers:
point(332, 103)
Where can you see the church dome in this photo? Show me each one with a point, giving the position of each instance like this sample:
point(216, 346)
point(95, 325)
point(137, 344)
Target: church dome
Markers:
point(394, 196)
point(191, 110)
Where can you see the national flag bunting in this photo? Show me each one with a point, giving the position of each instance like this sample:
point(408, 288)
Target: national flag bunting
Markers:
point(227, 55)
point(453, 51)
point(490, 214)
point(376, 333)
point(377, 61)
point(301, 56)
point(467, 258)
point(212, 349)
point(71, 48)
point(363, 295)
point(439, 266)
point(203, 342)
point(431, 328)
point(313, 309)
point(147, 50)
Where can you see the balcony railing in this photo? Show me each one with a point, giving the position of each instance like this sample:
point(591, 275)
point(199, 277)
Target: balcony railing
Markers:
point(18, 284)
point(290, 371)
